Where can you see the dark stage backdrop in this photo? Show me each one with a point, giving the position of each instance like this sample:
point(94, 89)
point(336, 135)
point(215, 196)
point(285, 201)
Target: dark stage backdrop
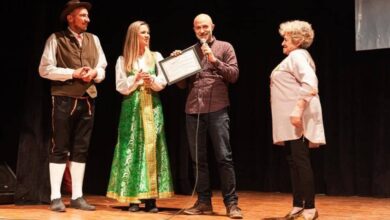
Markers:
point(353, 90)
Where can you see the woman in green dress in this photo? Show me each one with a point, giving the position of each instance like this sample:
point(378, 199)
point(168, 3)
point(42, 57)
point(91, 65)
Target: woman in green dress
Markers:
point(140, 170)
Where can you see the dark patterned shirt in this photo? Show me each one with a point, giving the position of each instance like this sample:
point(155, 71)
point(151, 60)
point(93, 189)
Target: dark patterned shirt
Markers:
point(208, 90)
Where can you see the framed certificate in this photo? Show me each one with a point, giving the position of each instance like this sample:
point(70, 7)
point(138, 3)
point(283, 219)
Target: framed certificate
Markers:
point(176, 68)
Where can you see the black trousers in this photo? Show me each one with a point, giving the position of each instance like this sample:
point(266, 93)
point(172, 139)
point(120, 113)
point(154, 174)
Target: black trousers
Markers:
point(298, 158)
point(215, 125)
point(72, 123)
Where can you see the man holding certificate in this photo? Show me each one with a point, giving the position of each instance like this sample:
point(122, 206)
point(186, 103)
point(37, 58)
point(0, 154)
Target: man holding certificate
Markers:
point(207, 114)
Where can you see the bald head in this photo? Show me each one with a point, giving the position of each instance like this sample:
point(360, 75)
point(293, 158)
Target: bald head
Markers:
point(203, 18)
point(203, 27)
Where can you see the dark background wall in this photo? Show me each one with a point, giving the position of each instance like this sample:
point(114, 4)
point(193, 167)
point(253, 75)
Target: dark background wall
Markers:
point(353, 90)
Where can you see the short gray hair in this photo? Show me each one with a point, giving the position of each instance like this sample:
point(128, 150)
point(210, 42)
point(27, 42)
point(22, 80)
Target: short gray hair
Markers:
point(299, 31)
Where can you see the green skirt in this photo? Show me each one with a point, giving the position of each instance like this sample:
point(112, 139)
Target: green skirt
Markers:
point(140, 167)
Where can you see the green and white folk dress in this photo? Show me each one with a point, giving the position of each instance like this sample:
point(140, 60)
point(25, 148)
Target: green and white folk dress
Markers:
point(140, 167)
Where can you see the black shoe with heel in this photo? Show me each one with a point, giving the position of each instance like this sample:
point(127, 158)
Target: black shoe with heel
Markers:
point(133, 207)
point(150, 206)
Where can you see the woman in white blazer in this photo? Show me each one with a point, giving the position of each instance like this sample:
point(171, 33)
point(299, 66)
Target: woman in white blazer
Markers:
point(296, 113)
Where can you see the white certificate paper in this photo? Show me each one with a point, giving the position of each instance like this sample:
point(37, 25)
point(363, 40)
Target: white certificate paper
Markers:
point(176, 68)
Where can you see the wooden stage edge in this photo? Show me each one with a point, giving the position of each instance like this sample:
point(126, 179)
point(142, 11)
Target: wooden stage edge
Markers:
point(254, 205)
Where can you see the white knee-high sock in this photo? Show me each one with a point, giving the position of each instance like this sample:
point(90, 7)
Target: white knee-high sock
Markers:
point(77, 173)
point(56, 171)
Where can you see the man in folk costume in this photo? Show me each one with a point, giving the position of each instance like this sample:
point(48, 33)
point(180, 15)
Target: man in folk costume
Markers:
point(74, 61)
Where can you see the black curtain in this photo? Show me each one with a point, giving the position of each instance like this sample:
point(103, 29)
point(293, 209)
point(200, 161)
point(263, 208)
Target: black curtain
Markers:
point(353, 92)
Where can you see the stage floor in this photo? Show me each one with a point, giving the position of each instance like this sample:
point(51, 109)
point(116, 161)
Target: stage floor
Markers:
point(254, 205)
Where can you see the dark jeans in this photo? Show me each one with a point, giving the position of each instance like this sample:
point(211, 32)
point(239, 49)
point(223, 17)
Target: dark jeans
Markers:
point(298, 158)
point(216, 125)
point(72, 123)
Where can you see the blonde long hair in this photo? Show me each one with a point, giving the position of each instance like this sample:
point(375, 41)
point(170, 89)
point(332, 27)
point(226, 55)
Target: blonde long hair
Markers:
point(131, 48)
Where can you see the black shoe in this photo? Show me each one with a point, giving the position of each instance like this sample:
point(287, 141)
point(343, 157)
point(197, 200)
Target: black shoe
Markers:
point(200, 208)
point(233, 211)
point(57, 205)
point(133, 207)
point(150, 206)
point(80, 203)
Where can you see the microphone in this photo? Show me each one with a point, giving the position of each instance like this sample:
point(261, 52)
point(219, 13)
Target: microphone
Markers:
point(203, 41)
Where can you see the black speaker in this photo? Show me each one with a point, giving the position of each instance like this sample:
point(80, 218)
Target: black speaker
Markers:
point(7, 184)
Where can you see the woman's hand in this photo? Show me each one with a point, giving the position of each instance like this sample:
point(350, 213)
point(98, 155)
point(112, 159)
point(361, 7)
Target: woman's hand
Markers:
point(138, 76)
point(296, 121)
point(148, 80)
point(296, 114)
